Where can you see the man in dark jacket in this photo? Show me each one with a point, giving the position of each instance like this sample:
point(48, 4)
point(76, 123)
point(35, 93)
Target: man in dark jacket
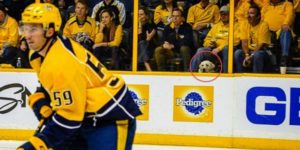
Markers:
point(177, 39)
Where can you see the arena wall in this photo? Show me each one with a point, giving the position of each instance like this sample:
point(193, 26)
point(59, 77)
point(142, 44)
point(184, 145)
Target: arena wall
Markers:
point(238, 111)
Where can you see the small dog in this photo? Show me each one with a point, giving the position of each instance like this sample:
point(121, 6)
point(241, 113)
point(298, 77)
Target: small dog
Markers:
point(206, 66)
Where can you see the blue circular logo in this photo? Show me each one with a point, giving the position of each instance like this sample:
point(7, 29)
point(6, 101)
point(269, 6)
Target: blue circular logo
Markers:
point(194, 103)
point(133, 95)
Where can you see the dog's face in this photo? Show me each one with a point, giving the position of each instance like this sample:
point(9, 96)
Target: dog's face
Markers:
point(206, 66)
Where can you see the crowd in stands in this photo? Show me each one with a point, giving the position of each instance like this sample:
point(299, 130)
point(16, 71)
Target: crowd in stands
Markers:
point(98, 28)
point(265, 34)
point(173, 35)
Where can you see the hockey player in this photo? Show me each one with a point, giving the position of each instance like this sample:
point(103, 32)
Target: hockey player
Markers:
point(78, 96)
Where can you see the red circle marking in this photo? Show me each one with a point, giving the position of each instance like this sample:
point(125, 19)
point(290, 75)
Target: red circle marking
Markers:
point(201, 53)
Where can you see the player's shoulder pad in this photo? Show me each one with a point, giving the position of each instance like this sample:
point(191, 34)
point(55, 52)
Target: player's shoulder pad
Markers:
point(66, 43)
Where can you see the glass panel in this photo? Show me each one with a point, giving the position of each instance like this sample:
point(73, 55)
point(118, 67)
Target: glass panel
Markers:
point(267, 44)
point(181, 30)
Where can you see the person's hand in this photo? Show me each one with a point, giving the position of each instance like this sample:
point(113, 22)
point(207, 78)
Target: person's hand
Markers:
point(201, 26)
point(40, 105)
point(285, 27)
point(247, 61)
point(101, 27)
point(1, 52)
point(213, 43)
point(215, 51)
point(148, 36)
point(100, 45)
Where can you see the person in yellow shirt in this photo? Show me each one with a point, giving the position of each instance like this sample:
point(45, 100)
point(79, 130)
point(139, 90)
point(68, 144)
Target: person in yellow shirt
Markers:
point(108, 39)
point(9, 34)
point(78, 96)
point(279, 14)
point(202, 16)
point(254, 39)
point(216, 41)
point(163, 13)
point(241, 10)
point(81, 27)
point(261, 3)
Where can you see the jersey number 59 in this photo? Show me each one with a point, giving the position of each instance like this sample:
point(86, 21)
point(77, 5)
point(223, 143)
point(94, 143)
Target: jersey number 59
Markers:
point(62, 98)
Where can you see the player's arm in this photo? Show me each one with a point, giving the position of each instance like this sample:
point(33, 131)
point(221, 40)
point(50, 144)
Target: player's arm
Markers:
point(68, 99)
point(40, 103)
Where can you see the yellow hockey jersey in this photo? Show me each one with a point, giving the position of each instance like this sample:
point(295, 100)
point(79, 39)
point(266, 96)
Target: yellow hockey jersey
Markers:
point(79, 84)
point(73, 30)
point(9, 32)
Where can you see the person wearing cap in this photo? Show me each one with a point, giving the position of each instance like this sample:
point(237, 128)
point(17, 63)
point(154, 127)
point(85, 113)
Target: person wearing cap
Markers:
point(202, 17)
point(255, 38)
point(78, 96)
point(216, 41)
point(9, 34)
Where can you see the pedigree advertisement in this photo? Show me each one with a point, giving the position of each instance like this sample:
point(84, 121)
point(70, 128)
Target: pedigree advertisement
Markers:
point(140, 94)
point(193, 103)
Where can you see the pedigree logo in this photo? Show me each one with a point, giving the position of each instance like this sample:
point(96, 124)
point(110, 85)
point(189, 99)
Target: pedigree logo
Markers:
point(140, 95)
point(193, 103)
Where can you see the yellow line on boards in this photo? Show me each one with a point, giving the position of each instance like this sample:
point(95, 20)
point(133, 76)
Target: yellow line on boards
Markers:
point(185, 140)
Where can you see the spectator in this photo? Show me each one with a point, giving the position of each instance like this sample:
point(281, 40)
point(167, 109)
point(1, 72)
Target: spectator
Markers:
point(71, 9)
point(15, 8)
point(63, 12)
point(81, 27)
point(261, 3)
point(162, 16)
point(255, 38)
point(297, 18)
point(8, 36)
point(185, 5)
point(177, 39)
point(163, 13)
point(241, 10)
point(216, 41)
point(146, 33)
point(202, 16)
point(115, 5)
point(279, 14)
point(108, 39)
point(22, 55)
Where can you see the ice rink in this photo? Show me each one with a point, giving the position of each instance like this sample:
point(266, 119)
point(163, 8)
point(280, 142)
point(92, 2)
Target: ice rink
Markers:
point(12, 145)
